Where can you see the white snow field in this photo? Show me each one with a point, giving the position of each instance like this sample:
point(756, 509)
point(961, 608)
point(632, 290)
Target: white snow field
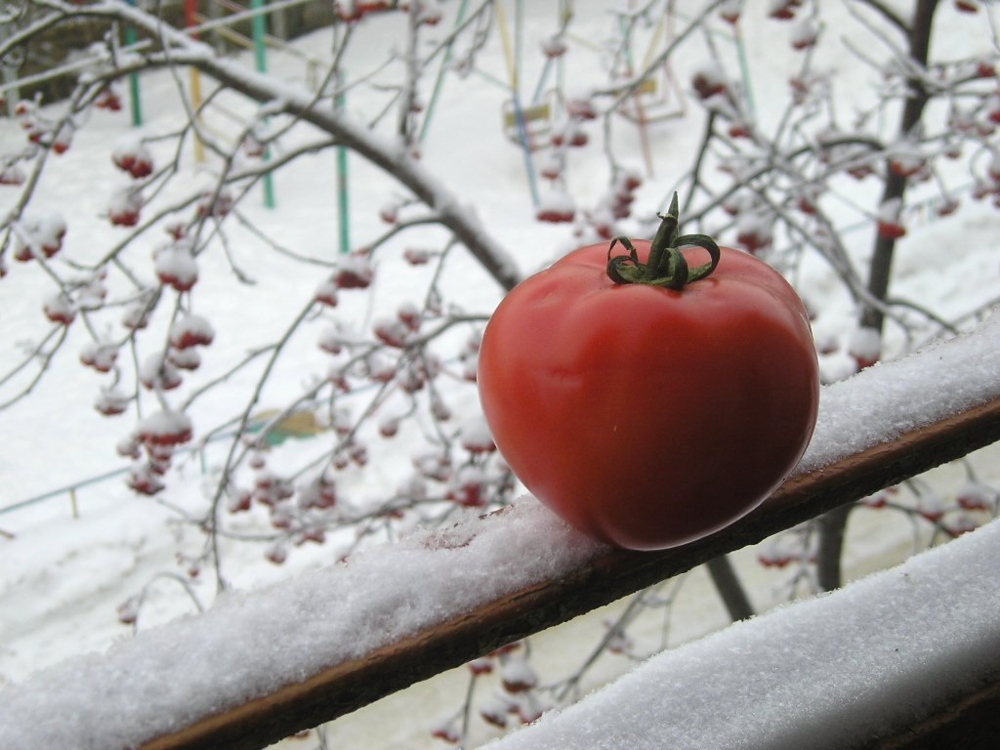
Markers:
point(71, 674)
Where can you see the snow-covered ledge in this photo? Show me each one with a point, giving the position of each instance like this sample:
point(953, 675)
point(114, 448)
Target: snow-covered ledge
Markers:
point(866, 663)
point(261, 665)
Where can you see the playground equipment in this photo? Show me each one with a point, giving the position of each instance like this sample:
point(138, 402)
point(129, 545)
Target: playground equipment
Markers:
point(535, 123)
point(258, 43)
point(512, 55)
point(298, 424)
point(656, 99)
point(529, 126)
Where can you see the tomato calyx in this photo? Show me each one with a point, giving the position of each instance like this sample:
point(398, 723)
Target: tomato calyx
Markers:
point(666, 266)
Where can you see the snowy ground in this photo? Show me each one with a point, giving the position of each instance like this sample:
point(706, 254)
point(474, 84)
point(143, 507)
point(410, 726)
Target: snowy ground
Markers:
point(62, 577)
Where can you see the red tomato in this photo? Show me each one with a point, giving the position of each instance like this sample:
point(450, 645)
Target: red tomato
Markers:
point(648, 417)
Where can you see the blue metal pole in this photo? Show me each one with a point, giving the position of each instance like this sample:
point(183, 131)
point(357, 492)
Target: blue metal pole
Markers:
point(135, 100)
point(343, 208)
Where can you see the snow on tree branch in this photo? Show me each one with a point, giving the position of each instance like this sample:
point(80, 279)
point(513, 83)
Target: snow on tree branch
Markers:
point(282, 97)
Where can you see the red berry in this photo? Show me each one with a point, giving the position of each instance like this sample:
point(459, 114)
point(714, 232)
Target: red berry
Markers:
point(159, 373)
point(353, 272)
point(581, 109)
point(184, 359)
point(709, 81)
point(59, 309)
point(144, 481)
point(131, 155)
point(108, 100)
point(11, 174)
point(128, 611)
point(111, 402)
point(176, 267)
point(494, 713)
point(947, 207)
point(476, 438)
point(191, 330)
point(417, 257)
point(806, 206)
point(876, 501)
point(391, 333)
point(517, 676)
point(556, 207)
point(326, 293)
point(730, 11)
point(782, 11)
point(215, 205)
point(447, 733)
point(277, 553)
point(124, 208)
point(61, 143)
point(553, 47)
point(99, 356)
point(389, 213)
point(239, 501)
point(482, 665)
point(891, 230)
point(865, 346)
point(164, 428)
point(975, 496)
point(409, 315)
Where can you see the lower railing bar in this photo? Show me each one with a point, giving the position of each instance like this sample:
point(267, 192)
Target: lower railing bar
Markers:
point(971, 722)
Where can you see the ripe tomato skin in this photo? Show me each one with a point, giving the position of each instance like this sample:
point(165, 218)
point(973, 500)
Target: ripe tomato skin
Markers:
point(647, 417)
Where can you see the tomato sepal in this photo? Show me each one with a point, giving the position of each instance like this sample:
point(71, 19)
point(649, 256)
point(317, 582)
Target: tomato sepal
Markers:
point(666, 266)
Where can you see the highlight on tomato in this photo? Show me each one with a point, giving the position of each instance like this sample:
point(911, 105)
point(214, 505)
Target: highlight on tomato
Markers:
point(651, 392)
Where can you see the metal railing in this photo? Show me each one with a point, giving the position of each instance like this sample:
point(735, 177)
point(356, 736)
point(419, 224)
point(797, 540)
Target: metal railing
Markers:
point(856, 452)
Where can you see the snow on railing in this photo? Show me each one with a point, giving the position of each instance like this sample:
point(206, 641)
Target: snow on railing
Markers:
point(261, 666)
point(863, 667)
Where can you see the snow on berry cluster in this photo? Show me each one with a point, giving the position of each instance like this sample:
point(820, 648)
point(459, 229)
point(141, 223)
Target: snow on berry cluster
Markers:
point(515, 697)
point(381, 382)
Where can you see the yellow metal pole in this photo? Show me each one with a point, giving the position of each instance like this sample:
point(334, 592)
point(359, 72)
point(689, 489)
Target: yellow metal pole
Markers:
point(190, 20)
point(196, 102)
point(508, 46)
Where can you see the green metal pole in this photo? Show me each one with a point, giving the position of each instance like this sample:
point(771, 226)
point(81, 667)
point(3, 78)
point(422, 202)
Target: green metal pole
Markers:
point(745, 72)
point(565, 14)
point(440, 76)
point(343, 212)
point(260, 55)
point(133, 80)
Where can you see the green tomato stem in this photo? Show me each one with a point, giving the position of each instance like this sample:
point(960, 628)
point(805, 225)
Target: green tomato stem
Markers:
point(666, 266)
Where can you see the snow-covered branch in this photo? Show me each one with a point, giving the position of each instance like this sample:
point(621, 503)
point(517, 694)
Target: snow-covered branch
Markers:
point(295, 100)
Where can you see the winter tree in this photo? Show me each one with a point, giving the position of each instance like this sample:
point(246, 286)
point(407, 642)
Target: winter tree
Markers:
point(865, 126)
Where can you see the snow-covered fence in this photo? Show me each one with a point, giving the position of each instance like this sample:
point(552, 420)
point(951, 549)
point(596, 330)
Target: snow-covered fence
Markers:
point(906, 658)
point(261, 666)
